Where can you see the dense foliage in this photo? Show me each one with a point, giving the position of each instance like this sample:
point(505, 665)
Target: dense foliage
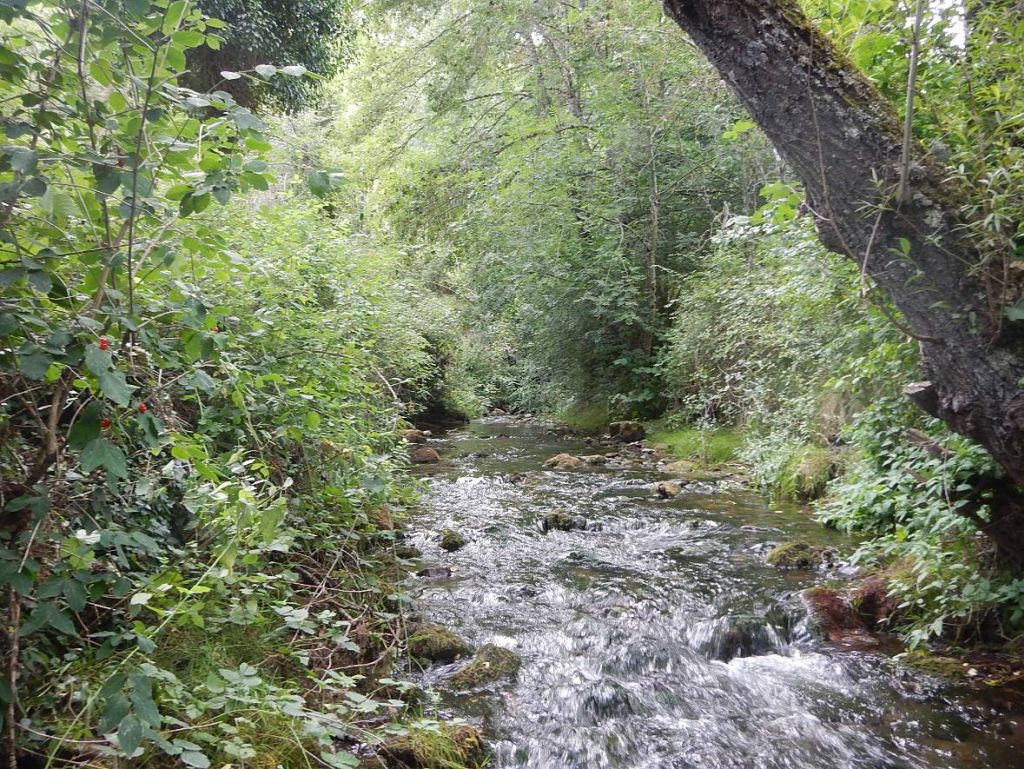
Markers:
point(214, 318)
point(198, 417)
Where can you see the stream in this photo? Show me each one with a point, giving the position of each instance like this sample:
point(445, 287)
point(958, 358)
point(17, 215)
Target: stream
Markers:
point(628, 633)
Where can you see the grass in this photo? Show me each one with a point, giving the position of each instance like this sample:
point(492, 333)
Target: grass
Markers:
point(806, 474)
point(708, 446)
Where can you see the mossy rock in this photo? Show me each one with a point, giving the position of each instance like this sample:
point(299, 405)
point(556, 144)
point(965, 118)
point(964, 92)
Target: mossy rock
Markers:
point(433, 643)
point(491, 663)
point(408, 552)
point(451, 746)
point(796, 555)
point(562, 521)
point(451, 540)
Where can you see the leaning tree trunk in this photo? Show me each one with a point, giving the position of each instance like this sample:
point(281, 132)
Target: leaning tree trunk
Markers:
point(844, 141)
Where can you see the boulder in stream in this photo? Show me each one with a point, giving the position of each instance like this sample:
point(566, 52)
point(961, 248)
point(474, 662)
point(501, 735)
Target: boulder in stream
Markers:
point(408, 552)
point(595, 459)
point(414, 436)
point(626, 431)
point(563, 462)
point(425, 456)
point(831, 616)
point(795, 555)
point(491, 663)
point(433, 643)
point(668, 489)
point(451, 540)
point(559, 520)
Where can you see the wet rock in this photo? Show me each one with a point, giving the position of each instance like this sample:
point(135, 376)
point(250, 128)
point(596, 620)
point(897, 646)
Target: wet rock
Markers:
point(795, 555)
point(744, 637)
point(425, 456)
point(564, 462)
point(626, 431)
point(408, 552)
point(668, 489)
point(452, 745)
point(434, 643)
point(451, 540)
point(831, 616)
point(414, 436)
point(434, 572)
point(562, 521)
point(595, 459)
point(498, 413)
point(872, 602)
point(491, 663)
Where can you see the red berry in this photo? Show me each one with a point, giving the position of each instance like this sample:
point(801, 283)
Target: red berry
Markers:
point(216, 329)
point(106, 422)
point(143, 408)
point(103, 343)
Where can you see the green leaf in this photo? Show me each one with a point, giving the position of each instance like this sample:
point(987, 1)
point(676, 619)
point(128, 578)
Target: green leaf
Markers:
point(34, 364)
point(142, 700)
point(112, 382)
point(339, 760)
point(173, 16)
point(266, 70)
point(75, 595)
point(23, 159)
point(319, 183)
point(294, 70)
point(1016, 312)
point(86, 426)
point(195, 759)
point(129, 734)
point(102, 453)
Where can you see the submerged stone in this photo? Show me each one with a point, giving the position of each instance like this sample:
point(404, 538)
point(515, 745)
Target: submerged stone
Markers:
point(425, 456)
point(434, 643)
point(562, 521)
point(407, 552)
point(451, 540)
point(491, 663)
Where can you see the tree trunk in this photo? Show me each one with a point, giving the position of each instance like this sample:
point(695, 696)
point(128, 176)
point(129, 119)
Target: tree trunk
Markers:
point(844, 141)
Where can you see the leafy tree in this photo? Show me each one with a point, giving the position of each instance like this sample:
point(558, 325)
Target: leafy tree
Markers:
point(262, 34)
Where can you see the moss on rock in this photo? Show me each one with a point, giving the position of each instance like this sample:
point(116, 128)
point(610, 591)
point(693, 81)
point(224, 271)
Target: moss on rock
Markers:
point(451, 540)
point(453, 745)
point(491, 663)
point(433, 643)
point(795, 555)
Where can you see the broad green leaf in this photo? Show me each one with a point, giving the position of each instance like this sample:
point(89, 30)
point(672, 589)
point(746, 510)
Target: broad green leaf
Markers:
point(102, 453)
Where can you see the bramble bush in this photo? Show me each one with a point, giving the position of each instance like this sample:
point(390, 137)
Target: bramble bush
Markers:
point(201, 386)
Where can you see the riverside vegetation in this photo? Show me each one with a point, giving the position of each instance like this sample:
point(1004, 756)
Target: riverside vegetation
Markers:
point(245, 246)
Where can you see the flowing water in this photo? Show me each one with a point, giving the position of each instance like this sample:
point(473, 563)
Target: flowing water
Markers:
point(658, 638)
